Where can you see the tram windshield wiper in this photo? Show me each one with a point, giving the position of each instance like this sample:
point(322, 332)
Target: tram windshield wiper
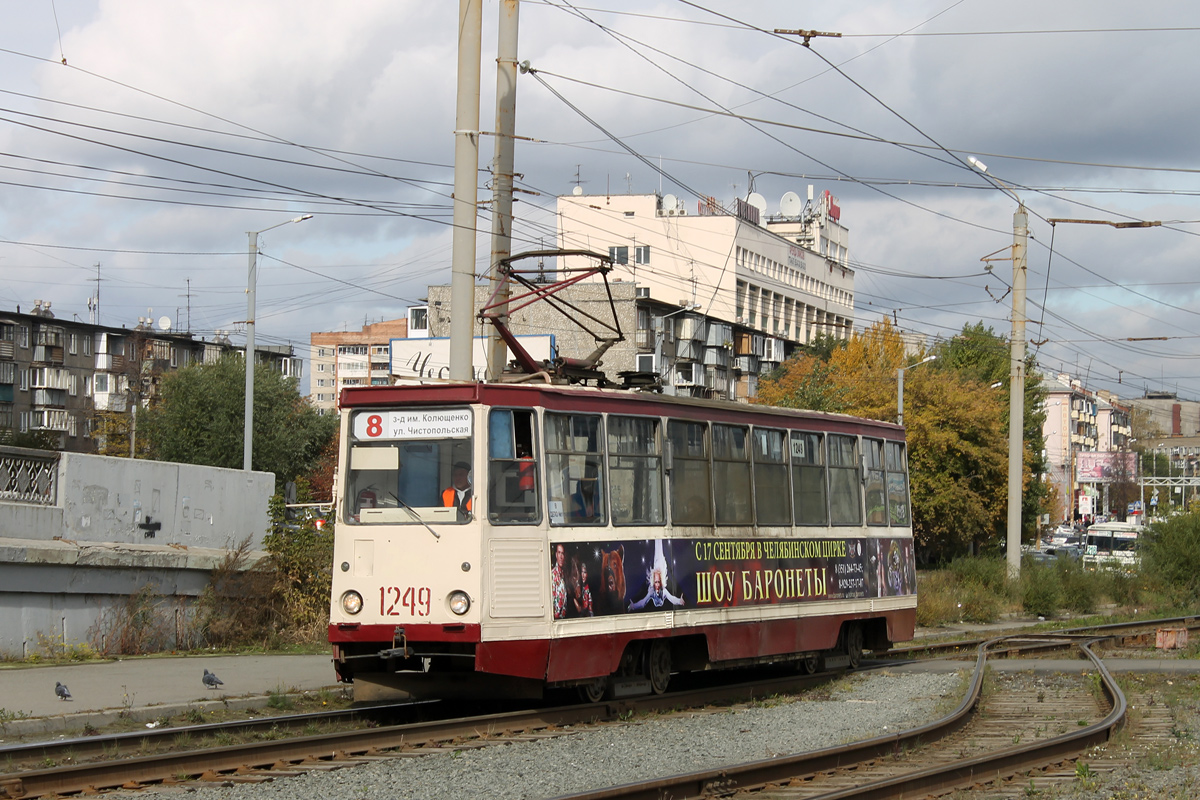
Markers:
point(415, 515)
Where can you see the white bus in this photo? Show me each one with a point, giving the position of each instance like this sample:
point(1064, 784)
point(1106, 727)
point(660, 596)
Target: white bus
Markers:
point(1111, 544)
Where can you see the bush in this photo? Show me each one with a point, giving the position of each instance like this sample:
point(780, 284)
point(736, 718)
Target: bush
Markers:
point(1041, 589)
point(1081, 589)
point(935, 599)
point(990, 572)
point(979, 603)
point(1170, 556)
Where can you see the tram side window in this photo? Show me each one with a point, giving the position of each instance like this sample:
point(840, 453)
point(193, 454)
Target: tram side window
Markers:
point(809, 493)
point(874, 485)
point(635, 470)
point(771, 495)
point(691, 490)
point(731, 472)
point(575, 485)
point(899, 510)
point(512, 468)
point(845, 486)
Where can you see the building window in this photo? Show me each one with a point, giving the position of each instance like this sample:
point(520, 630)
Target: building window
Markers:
point(24, 380)
point(74, 343)
point(641, 254)
point(23, 336)
point(321, 352)
point(320, 367)
point(619, 255)
point(101, 382)
point(87, 346)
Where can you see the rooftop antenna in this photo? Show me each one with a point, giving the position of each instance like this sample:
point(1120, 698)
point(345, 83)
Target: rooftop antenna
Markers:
point(629, 183)
point(578, 181)
point(97, 280)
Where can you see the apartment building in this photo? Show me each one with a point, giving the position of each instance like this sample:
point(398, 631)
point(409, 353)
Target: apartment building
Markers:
point(351, 358)
point(79, 382)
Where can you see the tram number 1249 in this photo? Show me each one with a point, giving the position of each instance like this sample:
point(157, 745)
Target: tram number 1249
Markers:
point(392, 599)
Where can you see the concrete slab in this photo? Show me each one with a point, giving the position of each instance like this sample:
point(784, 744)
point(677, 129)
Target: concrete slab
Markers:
point(145, 688)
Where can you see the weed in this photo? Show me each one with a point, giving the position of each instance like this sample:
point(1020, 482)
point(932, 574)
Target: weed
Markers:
point(280, 700)
point(195, 716)
point(1084, 775)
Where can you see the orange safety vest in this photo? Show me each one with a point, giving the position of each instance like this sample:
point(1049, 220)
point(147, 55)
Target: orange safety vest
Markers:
point(450, 499)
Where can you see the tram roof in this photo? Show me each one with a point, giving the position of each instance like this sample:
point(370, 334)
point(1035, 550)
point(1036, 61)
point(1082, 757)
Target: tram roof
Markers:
point(590, 399)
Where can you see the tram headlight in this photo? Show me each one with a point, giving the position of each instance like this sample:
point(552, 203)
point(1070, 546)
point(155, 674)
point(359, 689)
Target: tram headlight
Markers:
point(460, 603)
point(352, 602)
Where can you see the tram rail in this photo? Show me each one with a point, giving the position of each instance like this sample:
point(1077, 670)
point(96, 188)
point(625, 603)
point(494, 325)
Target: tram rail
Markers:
point(289, 755)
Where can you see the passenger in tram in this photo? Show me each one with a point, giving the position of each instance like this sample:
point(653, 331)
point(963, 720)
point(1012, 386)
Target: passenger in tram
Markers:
point(458, 494)
point(585, 502)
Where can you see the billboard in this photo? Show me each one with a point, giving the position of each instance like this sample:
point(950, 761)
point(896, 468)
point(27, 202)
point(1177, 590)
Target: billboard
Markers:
point(416, 360)
point(605, 578)
point(1106, 467)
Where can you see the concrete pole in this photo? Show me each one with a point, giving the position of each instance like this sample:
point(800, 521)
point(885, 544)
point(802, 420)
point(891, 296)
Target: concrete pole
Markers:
point(502, 174)
point(900, 396)
point(251, 283)
point(1016, 397)
point(466, 176)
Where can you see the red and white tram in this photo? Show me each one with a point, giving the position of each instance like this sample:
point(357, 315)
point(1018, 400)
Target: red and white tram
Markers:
point(505, 538)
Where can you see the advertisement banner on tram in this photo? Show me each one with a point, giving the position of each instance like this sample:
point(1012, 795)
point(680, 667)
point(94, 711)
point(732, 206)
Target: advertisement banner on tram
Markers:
point(605, 578)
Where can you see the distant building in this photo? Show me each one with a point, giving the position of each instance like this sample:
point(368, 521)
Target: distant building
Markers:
point(79, 383)
point(350, 358)
point(723, 295)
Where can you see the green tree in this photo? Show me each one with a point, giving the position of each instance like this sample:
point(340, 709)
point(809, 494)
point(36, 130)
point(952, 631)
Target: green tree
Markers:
point(199, 418)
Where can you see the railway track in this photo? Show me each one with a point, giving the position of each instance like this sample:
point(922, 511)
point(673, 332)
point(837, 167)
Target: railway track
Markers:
point(258, 760)
point(972, 745)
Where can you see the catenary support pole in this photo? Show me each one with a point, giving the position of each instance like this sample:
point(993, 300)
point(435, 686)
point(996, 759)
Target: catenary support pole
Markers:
point(466, 176)
point(1016, 401)
point(502, 175)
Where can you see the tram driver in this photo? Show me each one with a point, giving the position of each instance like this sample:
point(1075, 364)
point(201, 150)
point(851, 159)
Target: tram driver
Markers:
point(458, 493)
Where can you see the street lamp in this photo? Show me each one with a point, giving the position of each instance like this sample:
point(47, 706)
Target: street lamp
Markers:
point(251, 284)
point(1016, 377)
point(900, 387)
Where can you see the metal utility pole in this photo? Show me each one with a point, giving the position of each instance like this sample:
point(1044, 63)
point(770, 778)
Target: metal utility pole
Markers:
point(502, 176)
point(466, 171)
point(1016, 389)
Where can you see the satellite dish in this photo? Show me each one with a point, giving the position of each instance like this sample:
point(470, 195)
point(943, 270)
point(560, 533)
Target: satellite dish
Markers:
point(670, 202)
point(164, 323)
point(790, 205)
point(758, 201)
point(578, 190)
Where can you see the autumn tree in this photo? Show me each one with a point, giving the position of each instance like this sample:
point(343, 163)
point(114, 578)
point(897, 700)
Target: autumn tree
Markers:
point(955, 419)
point(199, 418)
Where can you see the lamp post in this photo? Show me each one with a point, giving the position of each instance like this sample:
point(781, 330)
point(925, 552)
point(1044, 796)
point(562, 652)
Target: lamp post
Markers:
point(1016, 377)
point(900, 387)
point(251, 285)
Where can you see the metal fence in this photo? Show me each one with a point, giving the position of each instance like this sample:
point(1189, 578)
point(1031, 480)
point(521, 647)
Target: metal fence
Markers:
point(28, 476)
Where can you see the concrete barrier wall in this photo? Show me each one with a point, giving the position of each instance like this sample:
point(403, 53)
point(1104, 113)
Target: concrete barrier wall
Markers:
point(113, 527)
point(104, 499)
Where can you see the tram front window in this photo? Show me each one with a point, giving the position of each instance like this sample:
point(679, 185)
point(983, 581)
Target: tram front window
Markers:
point(398, 473)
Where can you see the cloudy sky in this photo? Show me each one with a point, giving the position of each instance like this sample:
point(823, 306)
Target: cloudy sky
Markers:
point(141, 140)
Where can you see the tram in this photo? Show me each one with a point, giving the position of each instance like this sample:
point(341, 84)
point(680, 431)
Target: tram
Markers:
point(503, 539)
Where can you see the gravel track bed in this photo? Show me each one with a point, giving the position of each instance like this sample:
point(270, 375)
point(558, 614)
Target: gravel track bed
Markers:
point(650, 747)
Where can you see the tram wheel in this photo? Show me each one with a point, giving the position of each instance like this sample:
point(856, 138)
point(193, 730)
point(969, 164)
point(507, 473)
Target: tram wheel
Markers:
point(658, 666)
point(811, 663)
point(594, 691)
point(854, 644)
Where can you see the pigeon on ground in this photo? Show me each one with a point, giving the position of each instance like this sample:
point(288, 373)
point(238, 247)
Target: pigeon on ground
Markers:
point(62, 691)
point(211, 681)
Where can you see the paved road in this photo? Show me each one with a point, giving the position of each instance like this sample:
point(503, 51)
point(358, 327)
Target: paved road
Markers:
point(151, 682)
